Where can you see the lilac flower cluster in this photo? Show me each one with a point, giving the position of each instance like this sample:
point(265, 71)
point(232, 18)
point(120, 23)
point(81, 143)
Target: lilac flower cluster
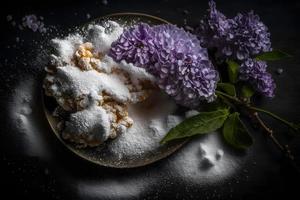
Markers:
point(238, 38)
point(183, 67)
point(255, 72)
point(214, 31)
point(135, 45)
point(174, 56)
point(251, 34)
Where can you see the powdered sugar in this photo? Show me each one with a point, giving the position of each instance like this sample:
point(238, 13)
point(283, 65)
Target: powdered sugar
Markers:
point(93, 121)
point(203, 160)
point(136, 73)
point(66, 47)
point(25, 118)
point(149, 127)
point(173, 120)
point(70, 79)
point(103, 36)
point(219, 154)
point(209, 155)
point(106, 64)
point(191, 113)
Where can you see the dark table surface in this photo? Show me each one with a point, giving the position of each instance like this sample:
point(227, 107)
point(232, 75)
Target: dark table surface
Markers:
point(35, 163)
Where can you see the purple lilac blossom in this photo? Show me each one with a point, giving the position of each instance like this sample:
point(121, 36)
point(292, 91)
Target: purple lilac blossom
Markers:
point(181, 66)
point(238, 38)
point(214, 28)
point(135, 45)
point(251, 36)
point(255, 73)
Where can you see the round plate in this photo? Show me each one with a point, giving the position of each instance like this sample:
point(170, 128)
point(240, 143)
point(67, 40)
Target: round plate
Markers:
point(100, 155)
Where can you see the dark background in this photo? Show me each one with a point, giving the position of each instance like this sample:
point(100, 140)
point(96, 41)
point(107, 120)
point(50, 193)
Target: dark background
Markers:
point(271, 176)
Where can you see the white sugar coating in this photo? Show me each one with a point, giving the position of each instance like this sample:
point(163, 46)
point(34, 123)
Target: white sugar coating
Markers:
point(26, 110)
point(197, 161)
point(93, 121)
point(66, 47)
point(136, 73)
point(207, 162)
point(106, 64)
point(191, 113)
point(127, 187)
point(148, 129)
point(202, 151)
point(156, 127)
point(27, 119)
point(173, 120)
point(72, 80)
point(103, 36)
point(219, 154)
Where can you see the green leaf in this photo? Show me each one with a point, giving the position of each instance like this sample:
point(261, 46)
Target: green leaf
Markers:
point(233, 71)
point(235, 132)
point(273, 55)
point(228, 88)
point(247, 91)
point(202, 123)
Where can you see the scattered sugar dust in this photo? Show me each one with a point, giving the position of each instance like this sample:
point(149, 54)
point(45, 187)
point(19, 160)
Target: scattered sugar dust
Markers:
point(128, 188)
point(205, 160)
point(99, 37)
point(22, 113)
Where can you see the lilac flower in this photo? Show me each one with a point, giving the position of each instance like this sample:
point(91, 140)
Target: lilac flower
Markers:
point(175, 57)
point(251, 36)
point(252, 69)
point(188, 85)
point(135, 45)
point(182, 66)
point(239, 38)
point(173, 45)
point(214, 28)
point(255, 72)
point(266, 84)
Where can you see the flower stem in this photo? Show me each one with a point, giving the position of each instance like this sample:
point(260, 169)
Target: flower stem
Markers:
point(284, 148)
point(229, 96)
point(290, 124)
point(274, 116)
